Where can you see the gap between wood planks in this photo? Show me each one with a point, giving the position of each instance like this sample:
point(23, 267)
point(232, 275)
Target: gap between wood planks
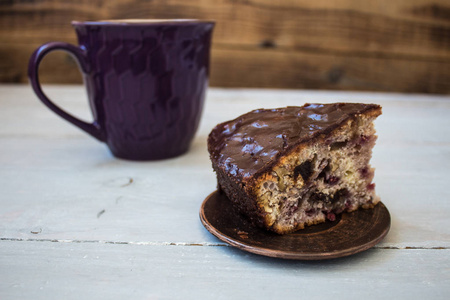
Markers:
point(113, 242)
point(271, 45)
point(184, 243)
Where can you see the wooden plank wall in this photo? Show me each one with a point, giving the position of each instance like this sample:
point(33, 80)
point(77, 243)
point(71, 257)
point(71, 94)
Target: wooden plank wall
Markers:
point(384, 45)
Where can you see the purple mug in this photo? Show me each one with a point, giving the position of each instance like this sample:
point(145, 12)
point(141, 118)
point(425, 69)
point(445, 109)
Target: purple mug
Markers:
point(145, 79)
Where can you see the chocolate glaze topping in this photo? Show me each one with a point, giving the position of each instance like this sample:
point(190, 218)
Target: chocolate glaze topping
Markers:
point(255, 140)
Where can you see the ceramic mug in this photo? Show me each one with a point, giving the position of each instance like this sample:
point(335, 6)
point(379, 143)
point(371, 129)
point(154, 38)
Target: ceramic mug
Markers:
point(145, 79)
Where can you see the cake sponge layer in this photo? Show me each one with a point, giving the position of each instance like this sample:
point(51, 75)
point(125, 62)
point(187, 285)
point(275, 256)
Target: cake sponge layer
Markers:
point(291, 167)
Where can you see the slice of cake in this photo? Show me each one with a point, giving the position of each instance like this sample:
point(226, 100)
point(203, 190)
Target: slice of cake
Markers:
point(289, 167)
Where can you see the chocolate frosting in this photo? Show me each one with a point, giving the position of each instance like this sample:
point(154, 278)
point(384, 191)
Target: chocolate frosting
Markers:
point(255, 140)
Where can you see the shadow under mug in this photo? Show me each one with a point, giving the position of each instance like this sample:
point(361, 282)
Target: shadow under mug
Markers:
point(146, 82)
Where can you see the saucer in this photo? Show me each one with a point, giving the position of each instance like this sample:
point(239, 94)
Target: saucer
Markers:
point(350, 233)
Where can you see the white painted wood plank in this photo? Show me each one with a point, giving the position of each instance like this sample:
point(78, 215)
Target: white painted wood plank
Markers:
point(58, 183)
point(62, 196)
point(128, 229)
point(43, 270)
point(403, 116)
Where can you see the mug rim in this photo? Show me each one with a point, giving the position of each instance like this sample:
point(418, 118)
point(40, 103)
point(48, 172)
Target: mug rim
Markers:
point(142, 22)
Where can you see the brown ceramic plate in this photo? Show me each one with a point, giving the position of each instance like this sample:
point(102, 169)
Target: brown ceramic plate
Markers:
point(350, 233)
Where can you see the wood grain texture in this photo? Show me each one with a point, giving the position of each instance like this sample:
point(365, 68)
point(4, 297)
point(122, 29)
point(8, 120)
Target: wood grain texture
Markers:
point(386, 39)
point(274, 68)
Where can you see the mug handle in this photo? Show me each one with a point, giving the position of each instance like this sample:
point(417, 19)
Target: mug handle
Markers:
point(79, 54)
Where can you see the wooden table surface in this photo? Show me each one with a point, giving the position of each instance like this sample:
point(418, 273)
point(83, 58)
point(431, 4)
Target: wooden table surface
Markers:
point(76, 223)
